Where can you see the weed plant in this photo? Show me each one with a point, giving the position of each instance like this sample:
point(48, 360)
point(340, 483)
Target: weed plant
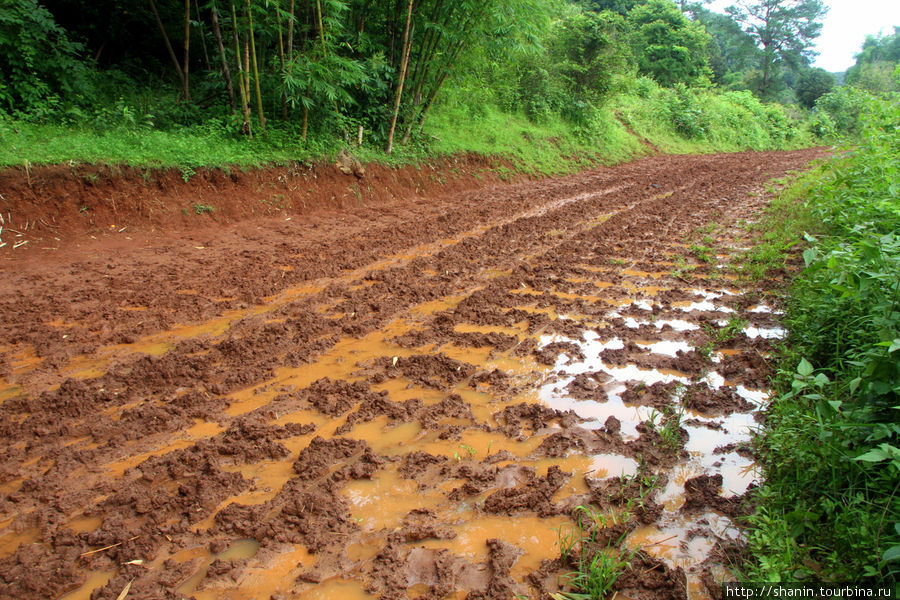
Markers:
point(830, 505)
point(597, 568)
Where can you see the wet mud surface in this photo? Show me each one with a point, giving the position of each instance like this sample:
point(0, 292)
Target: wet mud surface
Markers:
point(407, 399)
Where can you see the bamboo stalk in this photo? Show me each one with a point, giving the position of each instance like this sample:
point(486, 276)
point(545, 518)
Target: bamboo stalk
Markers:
point(284, 106)
point(187, 49)
point(403, 65)
point(245, 108)
point(202, 36)
point(165, 36)
point(259, 106)
point(217, 32)
point(290, 33)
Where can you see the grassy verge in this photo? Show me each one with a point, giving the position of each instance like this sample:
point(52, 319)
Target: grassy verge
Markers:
point(830, 452)
point(674, 121)
point(684, 120)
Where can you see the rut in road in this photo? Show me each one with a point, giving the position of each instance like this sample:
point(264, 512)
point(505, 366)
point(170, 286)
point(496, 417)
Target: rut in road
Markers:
point(410, 400)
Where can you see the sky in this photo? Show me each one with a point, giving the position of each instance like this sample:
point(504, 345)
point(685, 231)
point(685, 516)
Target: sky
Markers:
point(845, 28)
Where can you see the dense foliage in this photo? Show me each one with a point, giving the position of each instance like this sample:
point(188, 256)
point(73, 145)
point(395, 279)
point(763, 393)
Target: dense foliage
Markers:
point(331, 72)
point(831, 449)
point(784, 30)
point(877, 67)
point(669, 48)
point(40, 62)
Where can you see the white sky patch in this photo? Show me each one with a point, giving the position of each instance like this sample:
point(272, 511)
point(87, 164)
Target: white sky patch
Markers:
point(845, 28)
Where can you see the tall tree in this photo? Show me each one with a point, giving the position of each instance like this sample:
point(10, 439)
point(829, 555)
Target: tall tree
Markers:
point(187, 50)
point(813, 84)
point(732, 53)
point(226, 72)
point(785, 30)
point(181, 75)
point(669, 48)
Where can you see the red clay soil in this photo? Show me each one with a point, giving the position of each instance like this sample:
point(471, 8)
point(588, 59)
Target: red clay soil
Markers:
point(175, 381)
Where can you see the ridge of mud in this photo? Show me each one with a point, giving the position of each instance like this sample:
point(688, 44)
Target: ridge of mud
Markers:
point(128, 443)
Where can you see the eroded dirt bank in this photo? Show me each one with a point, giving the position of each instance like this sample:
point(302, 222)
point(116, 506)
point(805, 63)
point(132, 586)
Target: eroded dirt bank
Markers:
point(401, 399)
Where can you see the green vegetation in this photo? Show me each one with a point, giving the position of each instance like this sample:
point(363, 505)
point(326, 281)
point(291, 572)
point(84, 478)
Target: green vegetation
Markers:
point(669, 428)
point(721, 335)
point(830, 506)
point(597, 565)
point(549, 86)
point(877, 67)
point(703, 253)
point(784, 30)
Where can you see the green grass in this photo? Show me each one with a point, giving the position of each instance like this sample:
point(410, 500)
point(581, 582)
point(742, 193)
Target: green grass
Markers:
point(690, 121)
point(550, 148)
point(830, 505)
point(669, 427)
point(703, 253)
point(673, 121)
point(597, 568)
point(30, 143)
point(789, 221)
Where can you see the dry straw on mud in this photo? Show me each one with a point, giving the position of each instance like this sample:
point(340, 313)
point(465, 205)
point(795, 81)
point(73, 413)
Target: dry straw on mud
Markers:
point(125, 590)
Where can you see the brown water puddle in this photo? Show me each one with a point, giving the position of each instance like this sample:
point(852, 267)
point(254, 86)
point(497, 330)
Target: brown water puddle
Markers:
point(383, 501)
point(272, 577)
point(241, 549)
point(536, 537)
point(95, 580)
point(11, 540)
point(337, 588)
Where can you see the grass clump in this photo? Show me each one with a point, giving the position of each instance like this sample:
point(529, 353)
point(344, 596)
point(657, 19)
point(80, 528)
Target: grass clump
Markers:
point(830, 505)
point(597, 565)
point(703, 253)
point(202, 209)
point(669, 426)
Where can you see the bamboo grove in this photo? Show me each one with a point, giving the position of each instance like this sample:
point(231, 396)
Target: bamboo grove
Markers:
point(364, 67)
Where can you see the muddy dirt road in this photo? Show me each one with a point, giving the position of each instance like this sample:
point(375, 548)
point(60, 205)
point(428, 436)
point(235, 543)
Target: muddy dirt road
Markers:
point(401, 400)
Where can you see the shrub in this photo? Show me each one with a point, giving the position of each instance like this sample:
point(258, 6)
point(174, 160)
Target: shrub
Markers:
point(831, 450)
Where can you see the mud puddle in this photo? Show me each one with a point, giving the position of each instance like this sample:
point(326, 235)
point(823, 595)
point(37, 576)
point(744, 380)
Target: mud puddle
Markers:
point(425, 422)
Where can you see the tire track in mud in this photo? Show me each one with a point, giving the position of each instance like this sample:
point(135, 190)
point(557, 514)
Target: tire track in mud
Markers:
point(421, 422)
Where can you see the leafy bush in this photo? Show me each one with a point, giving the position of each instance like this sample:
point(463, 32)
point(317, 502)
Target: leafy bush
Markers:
point(686, 113)
point(668, 46)
point(41, 65)
point(843, 107)
point(831, 450)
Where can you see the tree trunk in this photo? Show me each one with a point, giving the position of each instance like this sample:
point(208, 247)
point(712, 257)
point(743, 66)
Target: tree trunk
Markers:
point(169, 49)
point(202, 36)
point(242, 85)
point(217, 32)
point(321, 27)
point(427, 108)
point(259, 106)
point(403, 66)
point(247, 73)
point(284, 106)
point(187, 49)
point(305, 122)
point(290, 34)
